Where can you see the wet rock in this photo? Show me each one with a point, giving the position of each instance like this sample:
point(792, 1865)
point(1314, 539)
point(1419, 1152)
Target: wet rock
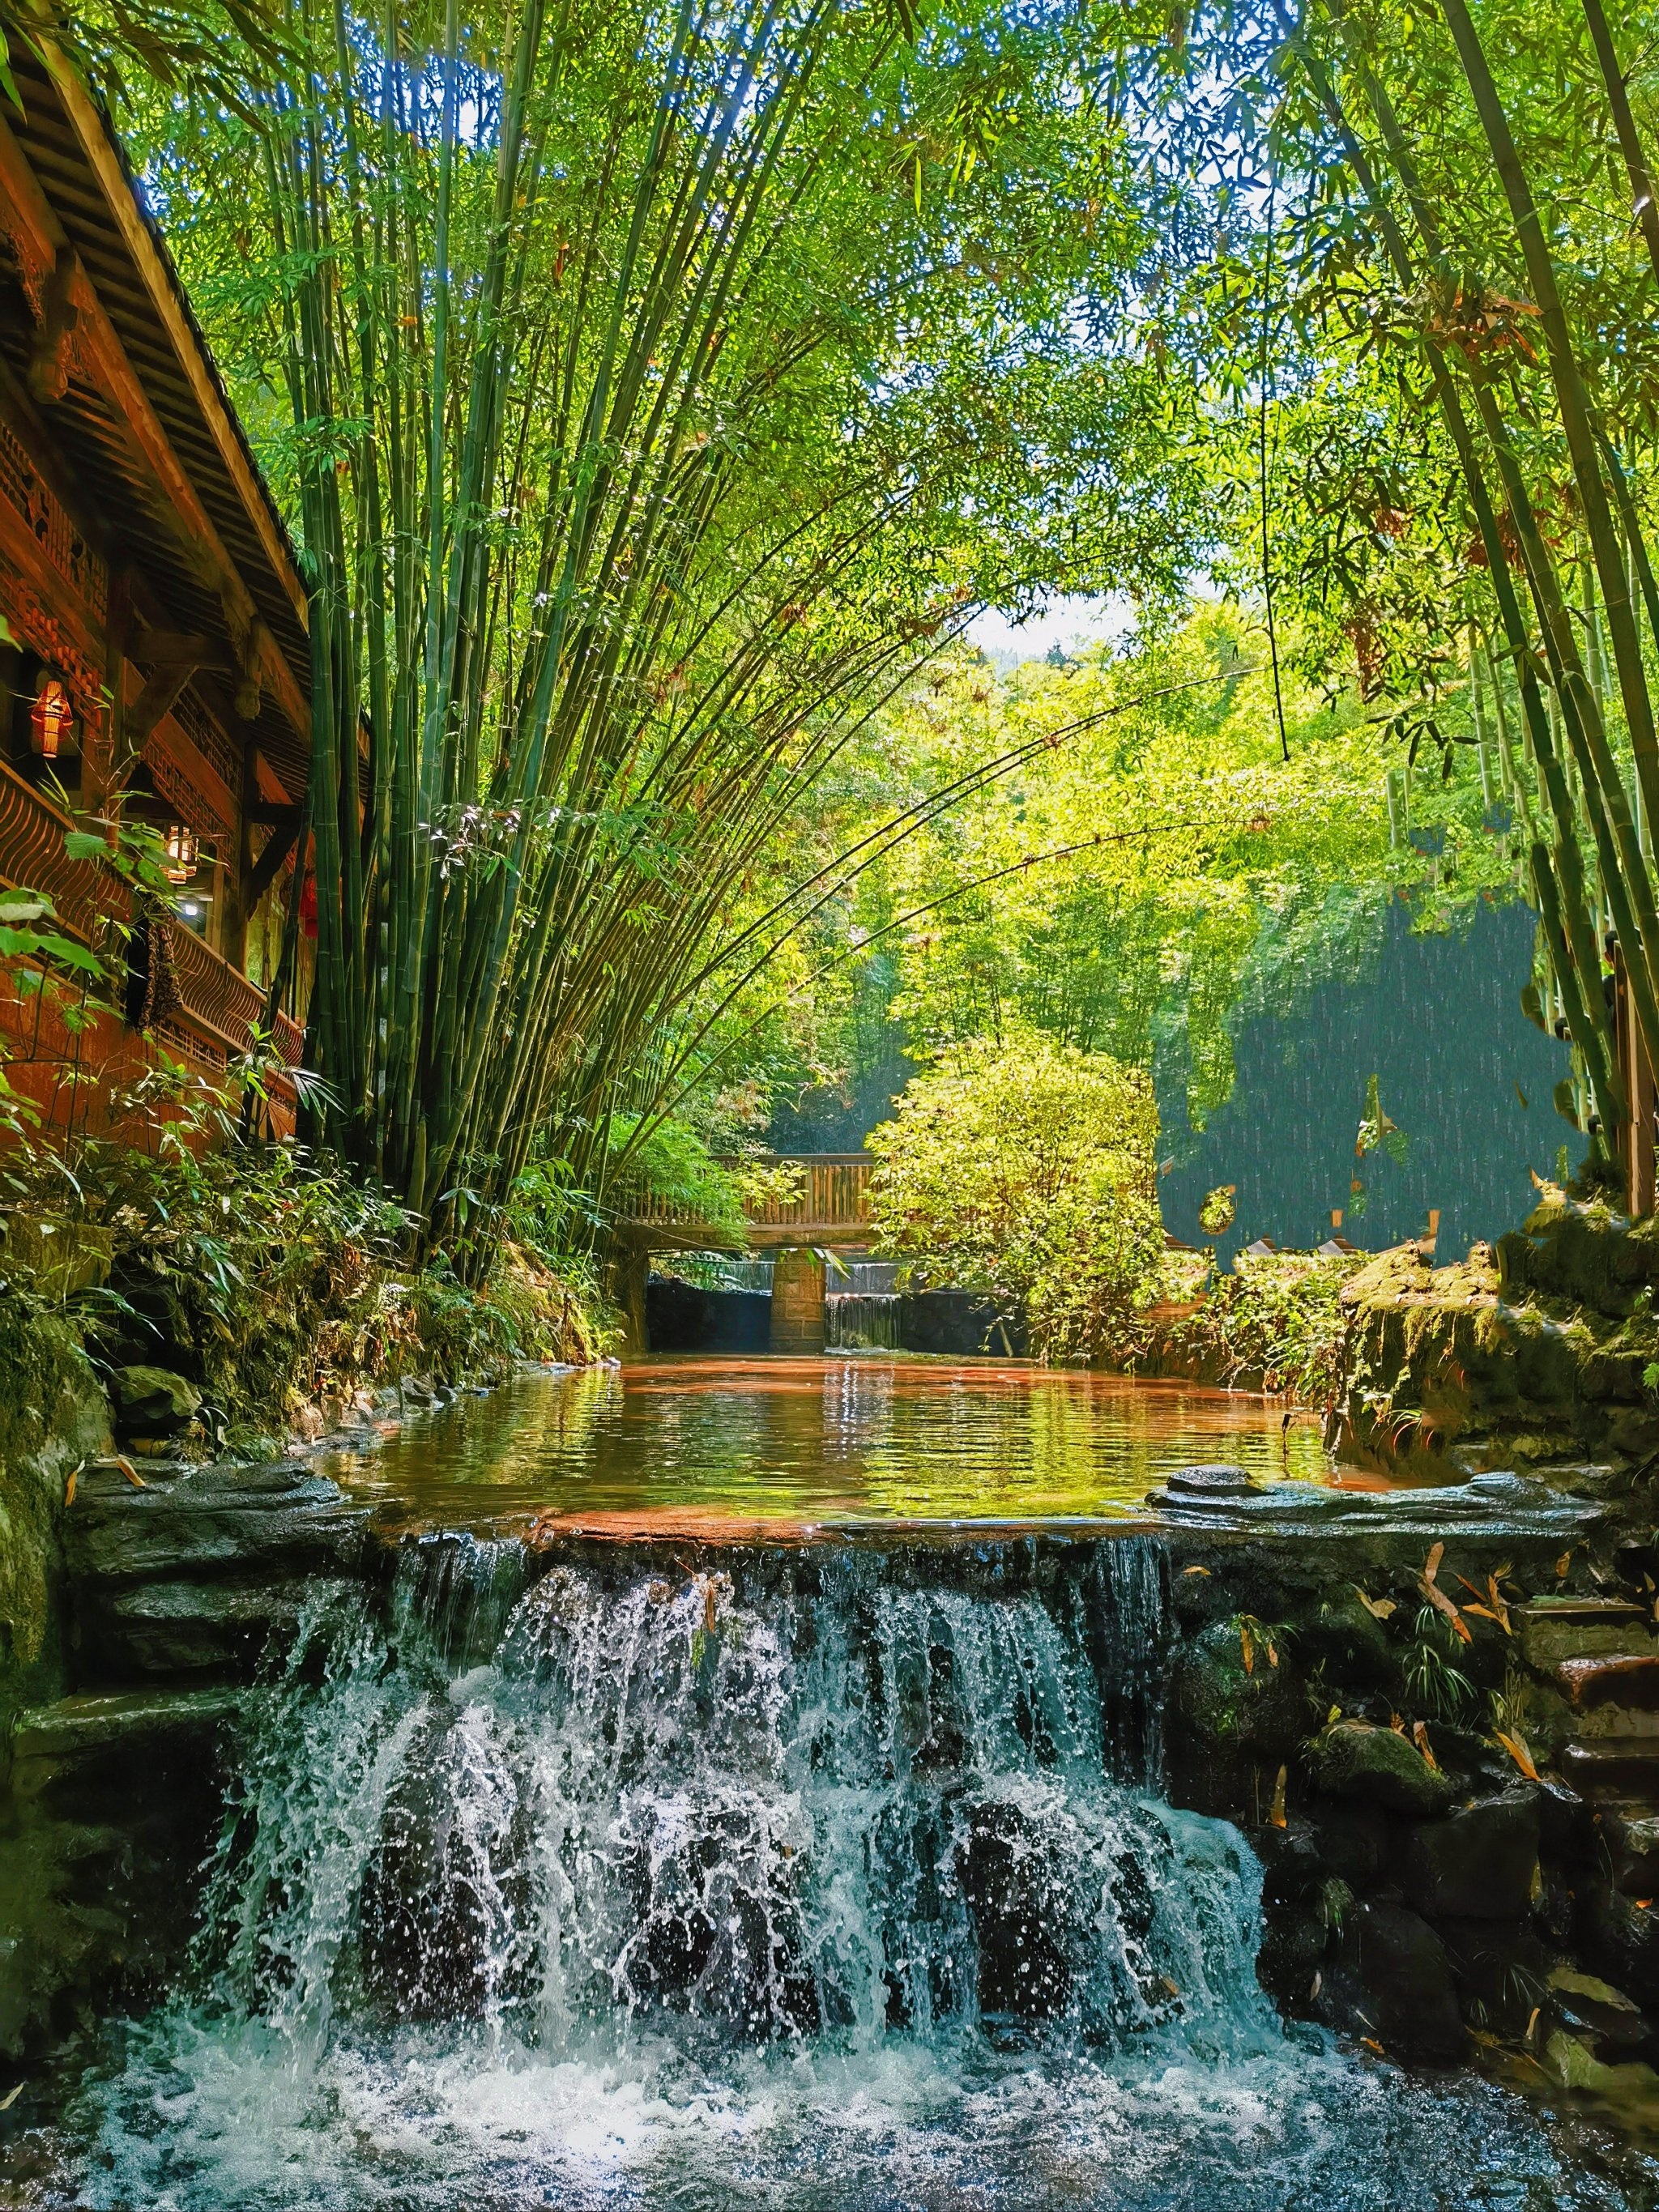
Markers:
point(1601, 2017)
point(153, 1401)
point(1288, 1965)
point(1479, 1862)
point(1024, 1972)
point(1259, 1710)
point(1393, 1983)
point(1379, 1767)
point(1572, 2064)
point(193, 1572)
point(1354, 1842)
point(1631, 1844)
point(1208, 1479)
point(1619, 1939)
point(1341, 1635)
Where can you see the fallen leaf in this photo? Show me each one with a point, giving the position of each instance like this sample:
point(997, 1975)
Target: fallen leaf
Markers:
point(1517, 1747)
point(1315, 1987)
point(1371, 2044)
point(130, 1473)
point(69, 1487)
point(708, 1607)
point(1379, 1609)
point(1420, 1738)
point(1170, 1989)
point(1333, 1716)
point(1276, 1812)
point(1245, 1642)
point(1438, 1599)
point(11, 2097)
point(1532, 2024)
point(1432, 1564)
point(1562, 1565)
point(1185, 1571)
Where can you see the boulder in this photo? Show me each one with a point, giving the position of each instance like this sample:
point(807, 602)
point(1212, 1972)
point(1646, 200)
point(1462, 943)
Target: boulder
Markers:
point(1354, 1841)
point(153, 1401)
point(1394, 1984)
point(1380, 1767)
point(1599, 2016)
point(1260, 1710)
point(1208, 1479)
point(1479, 1862)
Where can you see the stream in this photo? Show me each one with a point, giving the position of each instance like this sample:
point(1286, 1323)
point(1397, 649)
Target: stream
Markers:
point(577, 1872)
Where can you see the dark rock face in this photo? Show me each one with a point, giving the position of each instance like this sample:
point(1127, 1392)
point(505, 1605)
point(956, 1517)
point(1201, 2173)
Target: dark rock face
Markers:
point(1381, 1768)
point(1393, 1983)
point(1480, 1863)
point(1234, 1709)
point(110, 1798)
point(189, 1576)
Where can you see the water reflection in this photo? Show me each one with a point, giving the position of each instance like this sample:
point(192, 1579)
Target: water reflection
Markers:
point(697, 1441)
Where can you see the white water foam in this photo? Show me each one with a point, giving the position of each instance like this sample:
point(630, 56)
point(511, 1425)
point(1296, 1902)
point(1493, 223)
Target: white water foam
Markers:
point(842, 1890)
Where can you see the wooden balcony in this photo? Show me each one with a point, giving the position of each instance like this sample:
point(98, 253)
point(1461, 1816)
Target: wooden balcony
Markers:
point(220, 1003)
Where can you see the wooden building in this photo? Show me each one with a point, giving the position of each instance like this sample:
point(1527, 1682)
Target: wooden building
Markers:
point(152, 645)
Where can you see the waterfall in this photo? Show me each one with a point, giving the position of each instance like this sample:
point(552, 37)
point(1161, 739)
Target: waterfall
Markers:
point(843, 1803)
point(817, 1878)
point(862, 1321)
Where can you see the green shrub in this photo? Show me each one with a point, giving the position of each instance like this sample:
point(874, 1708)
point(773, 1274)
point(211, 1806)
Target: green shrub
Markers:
point(1024, 1168)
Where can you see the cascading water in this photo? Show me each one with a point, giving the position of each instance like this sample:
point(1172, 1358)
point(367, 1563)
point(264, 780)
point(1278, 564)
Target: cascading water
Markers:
point(862, 1321)
point(830, 1877)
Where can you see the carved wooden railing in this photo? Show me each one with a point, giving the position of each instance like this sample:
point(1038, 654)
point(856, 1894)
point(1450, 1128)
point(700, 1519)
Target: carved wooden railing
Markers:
point(217, 998)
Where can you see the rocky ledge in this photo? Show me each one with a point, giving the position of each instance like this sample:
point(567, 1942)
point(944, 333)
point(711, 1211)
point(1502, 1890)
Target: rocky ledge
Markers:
point(1436, 1714)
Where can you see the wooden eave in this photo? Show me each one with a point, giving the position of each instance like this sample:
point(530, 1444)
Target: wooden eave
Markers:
point(161, 467)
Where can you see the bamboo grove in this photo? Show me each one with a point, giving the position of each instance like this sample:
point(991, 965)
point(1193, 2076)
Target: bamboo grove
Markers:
point(658, 388)
point(1501, 291)
point(648, 423)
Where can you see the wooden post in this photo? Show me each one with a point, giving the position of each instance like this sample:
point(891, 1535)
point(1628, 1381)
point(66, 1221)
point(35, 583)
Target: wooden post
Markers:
point(798, 1318)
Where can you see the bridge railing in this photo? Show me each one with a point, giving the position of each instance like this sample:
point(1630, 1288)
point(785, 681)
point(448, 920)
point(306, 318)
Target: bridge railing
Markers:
point(834, 1193)
point(836, 1189)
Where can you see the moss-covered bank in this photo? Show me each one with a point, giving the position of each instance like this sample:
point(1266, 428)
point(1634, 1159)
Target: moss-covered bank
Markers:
point(1538, 1353)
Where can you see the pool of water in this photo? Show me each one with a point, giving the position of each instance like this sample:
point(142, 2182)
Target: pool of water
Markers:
point(729, 1444)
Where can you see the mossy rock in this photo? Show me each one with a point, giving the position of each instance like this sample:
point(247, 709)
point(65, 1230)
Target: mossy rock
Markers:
point(1259, 1708)
point(1379, 1767)
point(154, 1400)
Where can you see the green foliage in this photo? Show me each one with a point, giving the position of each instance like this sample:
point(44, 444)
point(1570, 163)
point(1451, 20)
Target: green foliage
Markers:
point(1025, 1168)
point(1276, 1323)
point(651, 395)
point(1114, 851)
point(1219, 1212)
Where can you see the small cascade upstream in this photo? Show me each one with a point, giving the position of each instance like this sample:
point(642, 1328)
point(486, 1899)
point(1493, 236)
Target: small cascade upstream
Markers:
point(862, 1321)
point(830, 1877)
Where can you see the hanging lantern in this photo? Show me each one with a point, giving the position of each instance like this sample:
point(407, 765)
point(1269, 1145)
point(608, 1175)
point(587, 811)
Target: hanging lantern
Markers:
point(181, 852)
point(50, 723)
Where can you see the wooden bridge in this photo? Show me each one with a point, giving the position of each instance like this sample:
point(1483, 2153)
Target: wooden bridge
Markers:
point(833, 1211)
